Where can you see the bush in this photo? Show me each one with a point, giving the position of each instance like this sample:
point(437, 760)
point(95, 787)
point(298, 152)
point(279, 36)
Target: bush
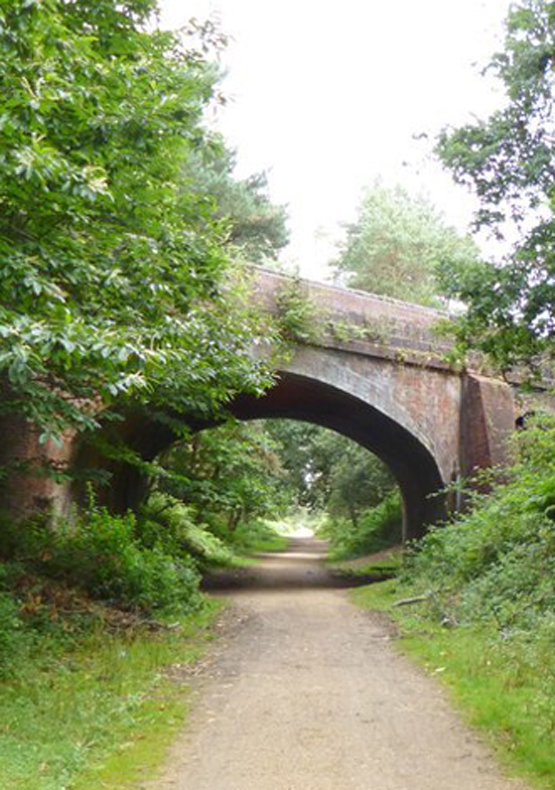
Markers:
point(104, 556)
point(497, 562)
point(168, 522)
point(378, 528)
point(298, 317)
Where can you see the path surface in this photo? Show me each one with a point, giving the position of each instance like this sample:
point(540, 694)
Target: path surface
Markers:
point(305, 692)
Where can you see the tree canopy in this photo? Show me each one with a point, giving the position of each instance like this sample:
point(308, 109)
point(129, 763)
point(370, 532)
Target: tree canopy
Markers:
point(230, 475)
point(397, 245)
point(256, 228)
point(327, 471)
point(113, 275)
point(508, 160)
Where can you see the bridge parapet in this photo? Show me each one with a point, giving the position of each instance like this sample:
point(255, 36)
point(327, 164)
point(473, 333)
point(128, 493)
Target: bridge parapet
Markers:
point(382, 326)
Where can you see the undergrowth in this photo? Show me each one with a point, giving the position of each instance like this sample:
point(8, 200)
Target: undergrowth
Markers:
point(77, 711)
point(496, 563)
point(104, 556)
point(378, 528)
point(147, 566)
point(92, 615)
point(259, 535)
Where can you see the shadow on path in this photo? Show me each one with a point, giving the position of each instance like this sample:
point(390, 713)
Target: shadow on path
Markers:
point(300, 567)
point(305, 692)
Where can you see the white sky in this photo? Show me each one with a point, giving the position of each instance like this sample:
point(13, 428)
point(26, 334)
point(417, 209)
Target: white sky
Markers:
point(327, 96)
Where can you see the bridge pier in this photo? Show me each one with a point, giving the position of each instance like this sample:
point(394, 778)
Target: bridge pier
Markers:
point(33, 481)
point(487, 420)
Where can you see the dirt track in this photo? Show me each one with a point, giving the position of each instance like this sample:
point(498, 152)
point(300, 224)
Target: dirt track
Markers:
point(304, 692)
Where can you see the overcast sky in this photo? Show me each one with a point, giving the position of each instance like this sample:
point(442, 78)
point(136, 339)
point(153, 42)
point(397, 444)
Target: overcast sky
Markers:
point(328, 96)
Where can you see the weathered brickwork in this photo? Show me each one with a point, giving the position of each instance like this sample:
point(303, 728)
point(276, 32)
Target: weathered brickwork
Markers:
point(392, 391)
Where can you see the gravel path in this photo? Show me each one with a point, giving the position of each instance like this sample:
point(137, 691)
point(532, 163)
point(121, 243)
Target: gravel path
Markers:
point(305, 692)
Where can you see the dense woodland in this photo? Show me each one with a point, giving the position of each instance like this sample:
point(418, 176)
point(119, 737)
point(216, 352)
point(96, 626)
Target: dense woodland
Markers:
point(124, 244)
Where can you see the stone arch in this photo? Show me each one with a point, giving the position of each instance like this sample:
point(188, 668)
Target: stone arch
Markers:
point(299, 397)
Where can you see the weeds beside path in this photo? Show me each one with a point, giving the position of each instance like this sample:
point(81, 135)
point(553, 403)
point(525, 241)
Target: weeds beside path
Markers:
point(101, 714)
point(91, 619)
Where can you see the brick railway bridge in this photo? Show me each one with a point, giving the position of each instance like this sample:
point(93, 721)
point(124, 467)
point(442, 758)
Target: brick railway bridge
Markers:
point(388, 388)
point(391, 391)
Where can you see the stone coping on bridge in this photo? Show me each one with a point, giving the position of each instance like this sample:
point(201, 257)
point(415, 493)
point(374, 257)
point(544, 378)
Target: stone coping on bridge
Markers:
point(428, 313)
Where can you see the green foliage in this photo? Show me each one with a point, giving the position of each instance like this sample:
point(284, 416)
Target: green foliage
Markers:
point(397, 245)
point(111, 272)
point(497, 562)
point(329, 471)
point(14, 639)
point(259, 535)
point(377, 528)
point(347, 331)
point(298, 317)
point(509, 162)
point(104, 556)
point(483, 600)
point(304, 457)
point(358, 481)
point(376, 570)
point(504, 682)
point(229, 475)
point(101, 711)
point(256, 228)
point(167, 522)
point(225, 483)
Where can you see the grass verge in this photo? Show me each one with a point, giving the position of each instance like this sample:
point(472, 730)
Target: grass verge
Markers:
point(102, 714)
point(261, 536)
point(501, 685)
point(271, 543)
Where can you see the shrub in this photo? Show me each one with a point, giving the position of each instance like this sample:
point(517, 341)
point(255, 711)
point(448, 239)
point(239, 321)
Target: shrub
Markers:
point(377, 529)
point(104, 556)
point(298, 317)
point(497, 562)
point(167, 522)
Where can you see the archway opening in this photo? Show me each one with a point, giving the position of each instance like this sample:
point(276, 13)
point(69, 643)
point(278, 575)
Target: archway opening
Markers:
point(245, 480)
point(298, 397)
point(301, 398)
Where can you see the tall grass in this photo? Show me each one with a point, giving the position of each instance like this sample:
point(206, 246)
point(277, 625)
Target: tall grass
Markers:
point(71, 716)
